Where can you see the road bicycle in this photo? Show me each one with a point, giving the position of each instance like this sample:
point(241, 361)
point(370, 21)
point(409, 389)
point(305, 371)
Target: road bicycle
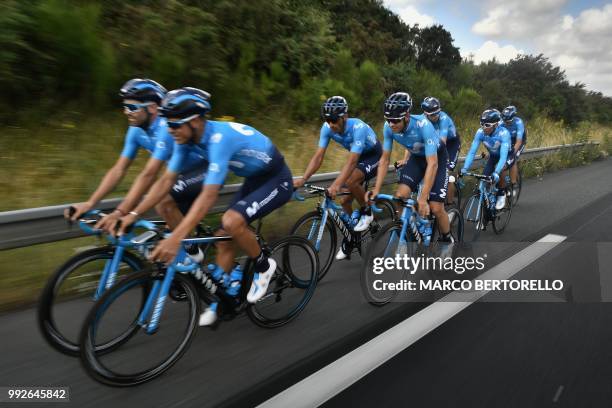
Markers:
point(321, 225)
point(164, 325)
point(410, 236)
point(480, 208)
point(82, 280)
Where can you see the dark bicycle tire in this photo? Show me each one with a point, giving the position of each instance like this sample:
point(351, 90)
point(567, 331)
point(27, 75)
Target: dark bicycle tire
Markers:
point(308, 284)
point(456, 223)
point(518, 186)
point(498, 225)
point(46, 321)
point(89, 357)
point(395, 227)
point(474, 233)
point(327, 259)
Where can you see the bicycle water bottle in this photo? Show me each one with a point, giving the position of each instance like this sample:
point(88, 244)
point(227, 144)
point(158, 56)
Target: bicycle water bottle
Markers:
point(233, 281)
point(425, 230)
point(355, 217)
point(216, 272)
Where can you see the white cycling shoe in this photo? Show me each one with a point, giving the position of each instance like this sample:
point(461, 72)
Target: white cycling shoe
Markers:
point(364, 222)
point(501, 202)
point(342, 252)
point(259, 287)
point(209, 316)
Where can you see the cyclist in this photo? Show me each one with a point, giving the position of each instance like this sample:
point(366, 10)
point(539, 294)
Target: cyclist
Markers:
point(228, 146)
point(359, 139)
point(147, 130)
point(427, 162)
point(447, 132)
point(496, 139)
point(518, 133)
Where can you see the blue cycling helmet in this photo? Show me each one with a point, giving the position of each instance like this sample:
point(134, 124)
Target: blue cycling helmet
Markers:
point(397, 105)
point(143, 90)
point(184, 102)
point(509, 112)
point(334, 107)
point(490, 116)
point(430, 105)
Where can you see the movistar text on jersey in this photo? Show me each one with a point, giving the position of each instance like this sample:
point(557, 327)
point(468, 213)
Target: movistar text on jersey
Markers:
point(425, 263)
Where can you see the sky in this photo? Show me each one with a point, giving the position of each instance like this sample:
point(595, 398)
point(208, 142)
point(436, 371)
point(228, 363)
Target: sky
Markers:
point(575, 35)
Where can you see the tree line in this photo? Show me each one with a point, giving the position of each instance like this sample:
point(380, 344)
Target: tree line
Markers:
point(261, 57)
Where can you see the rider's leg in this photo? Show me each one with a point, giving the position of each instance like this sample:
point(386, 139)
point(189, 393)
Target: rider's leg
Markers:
point(347, 203)
point(355, 186)
point(438, 210)
point(168, 209)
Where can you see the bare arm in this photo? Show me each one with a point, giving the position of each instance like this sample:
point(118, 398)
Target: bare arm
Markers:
point(383, 165)
point(141, 185)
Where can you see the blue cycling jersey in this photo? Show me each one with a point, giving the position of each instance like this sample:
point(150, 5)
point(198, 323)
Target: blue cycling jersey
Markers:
point(498, 144)
point(516, 129)
point(156, 140)
point(229, 146)
point(420, 137)
point(358, 136)
point(445, 127)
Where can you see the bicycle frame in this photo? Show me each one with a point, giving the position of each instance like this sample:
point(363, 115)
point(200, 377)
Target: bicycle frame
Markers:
point(485, 188)
point(111, 267)
point(408, 220)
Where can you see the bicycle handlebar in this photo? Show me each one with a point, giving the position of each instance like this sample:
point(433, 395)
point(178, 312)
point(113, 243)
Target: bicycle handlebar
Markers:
point(478, 176)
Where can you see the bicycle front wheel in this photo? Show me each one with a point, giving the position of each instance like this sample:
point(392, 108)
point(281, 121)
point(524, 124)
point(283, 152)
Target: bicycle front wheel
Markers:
point(292, 286)
point(146, 355)
point(309, 227)
point(474, 218)
point(516, 188)
point(69, 294)
point(386, 244)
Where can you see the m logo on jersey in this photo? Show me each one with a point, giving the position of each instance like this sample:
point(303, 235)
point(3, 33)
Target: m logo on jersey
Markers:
point(213, 167)
point(252, 210)
point(421, 123)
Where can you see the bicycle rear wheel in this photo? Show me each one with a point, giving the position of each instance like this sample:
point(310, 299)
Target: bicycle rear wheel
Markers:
point(69, 293)
point(292, 286)
point(516, 188)
point(502, 217)
point(145, 356)
point(308, 227)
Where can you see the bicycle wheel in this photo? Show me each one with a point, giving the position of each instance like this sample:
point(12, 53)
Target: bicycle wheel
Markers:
point(455, 219)
point(386, 244)
point(456, 202)
point(388, 214)
point(145, 356)
point(291, 287)
point(474, 218)
point(516, 188)
point(502, 217)
point(308, 227)
point(69, 292)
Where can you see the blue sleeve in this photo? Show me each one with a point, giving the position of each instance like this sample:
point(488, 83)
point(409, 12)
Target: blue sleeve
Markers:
point(177, 161)
point(360, 134)
point(324, 136)
point(219, 156)
point(469, 159)
point(130, 147)
point(503, 153)
point(429, 137)
point(163, 146)
point(388, 138)
point(452, 131)
point(520, 129)
point(444, 128)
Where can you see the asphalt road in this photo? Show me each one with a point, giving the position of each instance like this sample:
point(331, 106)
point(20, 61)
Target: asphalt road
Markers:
point(240, 364)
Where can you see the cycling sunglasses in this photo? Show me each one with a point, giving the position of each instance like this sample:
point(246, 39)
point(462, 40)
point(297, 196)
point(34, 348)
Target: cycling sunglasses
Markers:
point(134, 107)
point(430, 114)
point(394, 120)
point(488, 125)
point(175, 124)
point(333, 120)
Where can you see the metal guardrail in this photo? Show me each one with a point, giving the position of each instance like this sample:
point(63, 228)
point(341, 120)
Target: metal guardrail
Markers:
point(27, 227)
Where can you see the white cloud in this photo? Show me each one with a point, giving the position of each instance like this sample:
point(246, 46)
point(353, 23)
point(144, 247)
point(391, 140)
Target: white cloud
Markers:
point(580, 45)
point(491, 49)
point(408, 12)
